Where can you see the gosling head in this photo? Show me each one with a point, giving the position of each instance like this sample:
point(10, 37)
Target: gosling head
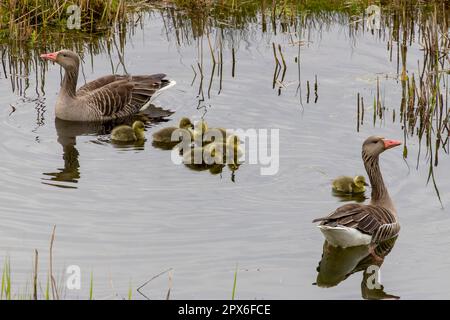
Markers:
point(185, 123)
point(375, 145)
point(67, 59)
point(139, 129)
point(360, 182)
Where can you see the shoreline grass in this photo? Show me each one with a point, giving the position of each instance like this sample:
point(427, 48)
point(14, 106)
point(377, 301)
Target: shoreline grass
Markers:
point(29, 20)
point(26, 20)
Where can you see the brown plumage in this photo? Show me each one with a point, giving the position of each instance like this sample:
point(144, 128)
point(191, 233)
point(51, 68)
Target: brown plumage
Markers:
point(379, 218)
point(107, 98)
point(377, 221)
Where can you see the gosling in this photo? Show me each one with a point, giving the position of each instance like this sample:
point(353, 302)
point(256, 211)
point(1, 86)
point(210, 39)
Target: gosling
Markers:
point(124, 133)
point(349, 185)
point(165, 134)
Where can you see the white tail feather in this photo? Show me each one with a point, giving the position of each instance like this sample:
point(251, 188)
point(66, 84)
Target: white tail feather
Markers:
point(157, 93)
point(344, 237)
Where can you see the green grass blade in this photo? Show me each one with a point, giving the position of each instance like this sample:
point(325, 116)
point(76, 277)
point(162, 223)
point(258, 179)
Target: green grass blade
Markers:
point(47, 289)
point(91, 287)
point(130, 292)
point(234, 283)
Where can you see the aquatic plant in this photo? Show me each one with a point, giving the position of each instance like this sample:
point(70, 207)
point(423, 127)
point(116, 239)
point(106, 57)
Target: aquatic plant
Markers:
point(423, 107)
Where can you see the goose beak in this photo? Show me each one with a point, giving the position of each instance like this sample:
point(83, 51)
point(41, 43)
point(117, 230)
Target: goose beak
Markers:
point(388, 144)
point(50, 56)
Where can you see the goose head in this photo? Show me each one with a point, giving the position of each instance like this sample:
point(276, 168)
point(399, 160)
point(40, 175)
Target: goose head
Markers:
point(375, 145)
point(65, 58)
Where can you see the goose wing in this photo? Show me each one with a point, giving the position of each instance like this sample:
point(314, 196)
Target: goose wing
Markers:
point(376, 221)
point(120, 96)
point(110, 101)
point(98, 83)
point(145, 87)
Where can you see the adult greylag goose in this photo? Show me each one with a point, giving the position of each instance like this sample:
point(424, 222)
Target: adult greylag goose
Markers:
point(107, 98)
point(356, 224)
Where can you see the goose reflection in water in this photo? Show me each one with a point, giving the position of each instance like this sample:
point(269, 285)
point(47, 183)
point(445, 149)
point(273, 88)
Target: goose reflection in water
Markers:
point(337, 264)
point(345, 197)
point(68, 131)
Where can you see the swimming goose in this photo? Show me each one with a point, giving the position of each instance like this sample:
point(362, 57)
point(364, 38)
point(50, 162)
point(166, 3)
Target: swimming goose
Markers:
point(107, 98)
point(355, 224)
point(349, 185)
point(124, 133)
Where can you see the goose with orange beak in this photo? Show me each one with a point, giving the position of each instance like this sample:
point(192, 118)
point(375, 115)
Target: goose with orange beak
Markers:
point(356, 224)
point(107, 98)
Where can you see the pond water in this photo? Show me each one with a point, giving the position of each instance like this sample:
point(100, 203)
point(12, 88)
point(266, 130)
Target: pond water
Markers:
point(127, 214)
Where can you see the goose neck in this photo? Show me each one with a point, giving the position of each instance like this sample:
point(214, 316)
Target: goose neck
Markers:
point(69, 84)
point(380, 195)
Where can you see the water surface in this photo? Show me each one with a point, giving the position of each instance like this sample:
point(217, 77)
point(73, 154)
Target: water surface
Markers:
point(127, 214)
